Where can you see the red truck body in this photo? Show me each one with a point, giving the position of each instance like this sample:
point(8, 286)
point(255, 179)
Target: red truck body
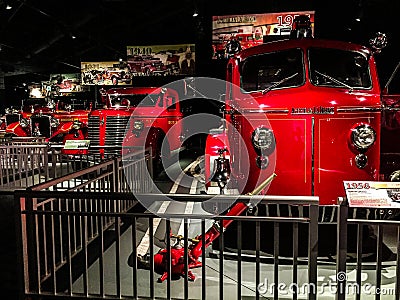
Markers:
point(309, 110)
point(56, 122)
point(137, 117)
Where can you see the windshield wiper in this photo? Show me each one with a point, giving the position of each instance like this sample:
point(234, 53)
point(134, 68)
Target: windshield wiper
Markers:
point(336, 81)
point(278, 83)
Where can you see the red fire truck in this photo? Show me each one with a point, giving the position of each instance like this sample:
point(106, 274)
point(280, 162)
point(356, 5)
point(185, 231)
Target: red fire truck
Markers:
point(55, 121)
point(137, 117)
point(307, 109)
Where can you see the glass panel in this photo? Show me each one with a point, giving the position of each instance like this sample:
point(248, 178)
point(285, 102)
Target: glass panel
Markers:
point(339, 68)
point(148, 100)
point(272, 70)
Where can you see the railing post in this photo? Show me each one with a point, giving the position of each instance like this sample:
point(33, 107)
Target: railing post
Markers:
point(115, 177)
point(46, 162)
point(21, 242)
point(341, 253)
point(313, 251)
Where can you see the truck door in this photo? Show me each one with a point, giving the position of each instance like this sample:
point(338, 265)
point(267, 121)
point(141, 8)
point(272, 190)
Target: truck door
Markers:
point(173, 120)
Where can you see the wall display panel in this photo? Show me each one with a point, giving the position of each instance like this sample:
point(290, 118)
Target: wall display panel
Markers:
point(161, 60)
point(64, 83)
point(252, 29)
point(105, 73)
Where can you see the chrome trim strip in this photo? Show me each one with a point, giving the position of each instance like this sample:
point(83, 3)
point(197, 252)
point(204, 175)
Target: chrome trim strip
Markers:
point(267, 111)
point(358, 109)
point(312, 156)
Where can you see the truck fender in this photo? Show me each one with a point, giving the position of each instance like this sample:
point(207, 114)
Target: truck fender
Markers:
point(16, 129)
point(216, 140)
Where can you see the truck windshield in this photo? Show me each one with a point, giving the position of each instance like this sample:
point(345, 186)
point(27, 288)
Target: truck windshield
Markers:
point(147, 100)
point(339, 68)
point(274, 70)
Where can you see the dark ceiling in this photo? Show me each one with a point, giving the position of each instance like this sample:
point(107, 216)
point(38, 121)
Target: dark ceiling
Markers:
point(39, 37)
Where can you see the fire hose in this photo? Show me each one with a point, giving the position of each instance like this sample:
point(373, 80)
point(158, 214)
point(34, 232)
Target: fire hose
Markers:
point(177, 251)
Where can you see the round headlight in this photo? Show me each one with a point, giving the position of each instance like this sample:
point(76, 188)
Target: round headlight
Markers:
point(77, 124)
point(263, 139)
point(24, 123)
point(363, 136)
point(138, 125)
point(54, 122)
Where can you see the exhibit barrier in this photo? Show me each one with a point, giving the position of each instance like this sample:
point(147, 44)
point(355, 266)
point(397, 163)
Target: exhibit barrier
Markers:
point(358, 287)
point(22, 165)
point(25, 162)
point(60, 256)
point(57, 239)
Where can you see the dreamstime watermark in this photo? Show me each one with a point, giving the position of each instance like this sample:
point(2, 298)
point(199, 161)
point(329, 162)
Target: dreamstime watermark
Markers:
point(340, 285)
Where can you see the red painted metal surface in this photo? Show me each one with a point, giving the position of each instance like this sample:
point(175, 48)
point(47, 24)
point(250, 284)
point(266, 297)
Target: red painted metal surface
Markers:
point(311, 125)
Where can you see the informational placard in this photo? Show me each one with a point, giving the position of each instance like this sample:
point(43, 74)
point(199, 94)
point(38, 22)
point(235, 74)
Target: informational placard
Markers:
point(76, 144)
point(374, 194)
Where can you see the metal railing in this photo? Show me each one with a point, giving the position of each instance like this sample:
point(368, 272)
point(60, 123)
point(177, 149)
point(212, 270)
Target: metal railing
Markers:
point(60, 255)
point(358, 287)
point(22, 165)
point(26, 162)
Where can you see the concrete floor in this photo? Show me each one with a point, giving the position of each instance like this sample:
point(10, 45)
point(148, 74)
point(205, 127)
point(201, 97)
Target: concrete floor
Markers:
point(326, 269)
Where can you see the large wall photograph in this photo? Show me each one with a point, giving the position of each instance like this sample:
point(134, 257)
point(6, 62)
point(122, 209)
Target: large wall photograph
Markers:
point(105, 73)
point(252, 29)
point(161, 60)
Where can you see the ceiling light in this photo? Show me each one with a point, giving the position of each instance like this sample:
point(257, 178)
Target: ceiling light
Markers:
point(73, 37)
point(195, 14)
point(8, 6)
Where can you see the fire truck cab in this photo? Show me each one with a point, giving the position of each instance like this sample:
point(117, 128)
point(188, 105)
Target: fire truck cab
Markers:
point(307, 109)
point(137, 117)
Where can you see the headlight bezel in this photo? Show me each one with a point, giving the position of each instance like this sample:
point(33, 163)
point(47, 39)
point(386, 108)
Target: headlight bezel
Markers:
point(138, 125)
point(362, 136)
point(77, 124)
point(24, 123)
point(263, 140)
point(54, 122)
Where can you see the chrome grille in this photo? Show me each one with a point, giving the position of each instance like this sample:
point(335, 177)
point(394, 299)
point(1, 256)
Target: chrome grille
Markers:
point(115, 133)
point(93, 130)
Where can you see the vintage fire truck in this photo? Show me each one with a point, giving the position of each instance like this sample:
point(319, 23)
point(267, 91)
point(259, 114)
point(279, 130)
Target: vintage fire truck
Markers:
point(55, 121)
point(137, 117)
point(307, 109)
